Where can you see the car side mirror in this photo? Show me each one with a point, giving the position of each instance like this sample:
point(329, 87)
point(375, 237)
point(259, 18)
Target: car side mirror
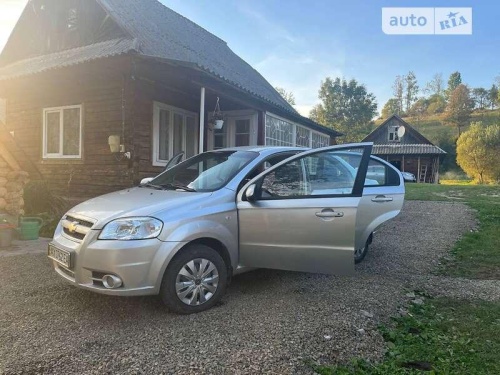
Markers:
point(146, 180)
point(250, 193)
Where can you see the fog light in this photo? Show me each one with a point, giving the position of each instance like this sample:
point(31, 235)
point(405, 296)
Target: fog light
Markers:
point(111, 281)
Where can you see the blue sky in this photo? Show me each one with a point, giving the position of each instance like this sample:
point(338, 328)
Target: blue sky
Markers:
point(296, 44)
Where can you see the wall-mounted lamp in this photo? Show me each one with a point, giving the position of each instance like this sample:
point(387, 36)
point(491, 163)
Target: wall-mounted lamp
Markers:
point(114, 143)
point(115, 146)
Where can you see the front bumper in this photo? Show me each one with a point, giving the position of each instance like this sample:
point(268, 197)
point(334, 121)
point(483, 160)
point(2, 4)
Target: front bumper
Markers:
point(139, 264)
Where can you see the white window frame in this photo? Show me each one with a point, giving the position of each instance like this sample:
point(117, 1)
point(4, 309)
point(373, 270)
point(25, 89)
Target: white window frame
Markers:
point(157, 106)
point(230, 127)
point(60, 110)
point(393, 129)
point(294, 130)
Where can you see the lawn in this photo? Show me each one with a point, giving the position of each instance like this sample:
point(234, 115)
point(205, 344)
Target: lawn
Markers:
point(442, 336)
point(477, 254)
point(448, 336)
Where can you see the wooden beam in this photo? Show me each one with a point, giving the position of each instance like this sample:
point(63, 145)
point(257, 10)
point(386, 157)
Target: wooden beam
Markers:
point(418, 170)
point(261, 129)
point(403, 166)
point(436, 175)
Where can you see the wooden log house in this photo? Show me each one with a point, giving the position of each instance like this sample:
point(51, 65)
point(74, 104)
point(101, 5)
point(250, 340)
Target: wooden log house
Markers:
point(403, 146)
point(76, 72)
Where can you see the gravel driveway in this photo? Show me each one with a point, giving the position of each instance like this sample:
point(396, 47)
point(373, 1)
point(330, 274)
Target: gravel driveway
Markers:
point(269, 321)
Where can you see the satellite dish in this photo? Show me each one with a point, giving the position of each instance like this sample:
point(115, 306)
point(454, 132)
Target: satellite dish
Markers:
point(401, 131)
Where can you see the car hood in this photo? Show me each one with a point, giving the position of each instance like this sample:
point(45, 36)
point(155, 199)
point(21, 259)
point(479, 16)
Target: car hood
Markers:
point(137, 201)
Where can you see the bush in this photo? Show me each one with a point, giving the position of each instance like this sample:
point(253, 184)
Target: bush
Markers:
point(40, 201)
point(478, 152)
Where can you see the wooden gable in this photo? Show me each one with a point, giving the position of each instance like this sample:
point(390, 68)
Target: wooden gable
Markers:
point(381, 135)
point(48, 26)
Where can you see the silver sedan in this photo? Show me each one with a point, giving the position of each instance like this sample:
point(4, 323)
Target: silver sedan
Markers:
point(183, 234)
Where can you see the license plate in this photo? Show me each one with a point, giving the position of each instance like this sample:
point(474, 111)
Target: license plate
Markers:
point(60, 256)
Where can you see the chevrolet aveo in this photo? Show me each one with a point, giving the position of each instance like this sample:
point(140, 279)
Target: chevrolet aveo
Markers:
point(183, 234)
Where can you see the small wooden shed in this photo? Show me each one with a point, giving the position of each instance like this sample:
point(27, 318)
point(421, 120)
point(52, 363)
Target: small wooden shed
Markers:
point(403, 146)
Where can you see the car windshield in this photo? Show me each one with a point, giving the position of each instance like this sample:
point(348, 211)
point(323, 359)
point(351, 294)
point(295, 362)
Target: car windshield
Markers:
point(209, 171)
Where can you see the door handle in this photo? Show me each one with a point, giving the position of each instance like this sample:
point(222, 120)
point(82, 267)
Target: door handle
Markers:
point(381, 199)
point(330, 214)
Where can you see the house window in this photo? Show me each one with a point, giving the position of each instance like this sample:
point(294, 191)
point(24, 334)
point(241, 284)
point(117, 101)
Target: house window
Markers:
point(320, 140)
point(281, 132)
point(174, 130)
point(62, 132)
point(393, 133)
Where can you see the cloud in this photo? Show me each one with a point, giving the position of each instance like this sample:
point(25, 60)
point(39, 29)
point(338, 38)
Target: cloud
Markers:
point(292, 61)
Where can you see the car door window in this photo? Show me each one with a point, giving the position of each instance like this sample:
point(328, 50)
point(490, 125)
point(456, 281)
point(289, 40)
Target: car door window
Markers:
point(285, 181)
point(266, 164)
point(319, 174)
point(379, 174)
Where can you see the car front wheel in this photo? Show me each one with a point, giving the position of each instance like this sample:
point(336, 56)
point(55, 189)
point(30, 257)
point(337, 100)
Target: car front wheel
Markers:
point(194, 281)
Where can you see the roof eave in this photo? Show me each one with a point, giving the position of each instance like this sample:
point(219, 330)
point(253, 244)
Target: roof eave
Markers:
point(292, 115)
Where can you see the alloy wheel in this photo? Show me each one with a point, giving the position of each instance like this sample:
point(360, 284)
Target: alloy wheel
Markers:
point(197, 282)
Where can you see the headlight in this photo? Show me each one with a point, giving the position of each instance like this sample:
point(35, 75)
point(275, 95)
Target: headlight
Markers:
point(132, 228)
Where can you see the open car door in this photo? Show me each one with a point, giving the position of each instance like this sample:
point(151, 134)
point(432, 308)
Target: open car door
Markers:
point(300, 215)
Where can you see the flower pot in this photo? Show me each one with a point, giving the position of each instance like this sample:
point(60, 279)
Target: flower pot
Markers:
point(218, 124)
point(29, 227)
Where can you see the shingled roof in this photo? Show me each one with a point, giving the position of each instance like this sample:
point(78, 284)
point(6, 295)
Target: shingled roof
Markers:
point(407, 149)
point(61, 59)
point(157, 31)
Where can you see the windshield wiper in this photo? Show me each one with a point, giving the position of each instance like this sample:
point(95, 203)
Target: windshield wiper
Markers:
point(149, 184)
point(173, 185)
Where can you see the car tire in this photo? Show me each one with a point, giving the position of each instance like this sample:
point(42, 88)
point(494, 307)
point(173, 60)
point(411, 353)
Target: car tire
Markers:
point(185, 289)
point(361, 253)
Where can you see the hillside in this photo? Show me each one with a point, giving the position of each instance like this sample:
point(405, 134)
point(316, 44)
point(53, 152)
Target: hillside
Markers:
point(434, 128)
point(444, 136)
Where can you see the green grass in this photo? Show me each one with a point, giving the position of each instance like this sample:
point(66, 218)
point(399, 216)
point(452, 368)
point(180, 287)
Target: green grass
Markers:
point(477, 254)
point(443, 336)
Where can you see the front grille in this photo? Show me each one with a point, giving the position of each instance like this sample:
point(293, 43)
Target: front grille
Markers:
point(85, 223)
point(76, 228)
point(78, 236)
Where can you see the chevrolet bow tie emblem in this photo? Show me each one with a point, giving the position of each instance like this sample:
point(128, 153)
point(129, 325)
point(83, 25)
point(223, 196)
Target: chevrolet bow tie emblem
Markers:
point(72, 226)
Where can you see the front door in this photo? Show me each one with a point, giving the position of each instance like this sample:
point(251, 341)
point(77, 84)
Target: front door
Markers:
point(302, 215)
point(239, 129)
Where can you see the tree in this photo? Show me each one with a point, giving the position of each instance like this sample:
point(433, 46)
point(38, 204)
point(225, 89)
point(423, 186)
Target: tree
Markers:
point(390, 108)
point(459, 107)
point(419, 108)
point(480, 96)
point(398, 89)
point(453, 82)
point(436, 85)
point(345, 106)
point(437, 104)
point(411, 90)
point(493, 97)
point(478, 151)
point(287, 95)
